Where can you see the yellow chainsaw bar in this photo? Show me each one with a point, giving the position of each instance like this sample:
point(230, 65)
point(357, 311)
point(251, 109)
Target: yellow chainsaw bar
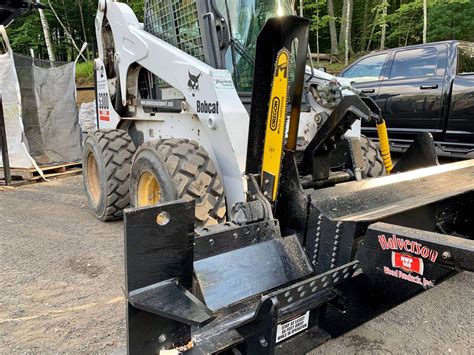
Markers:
point(276, 125)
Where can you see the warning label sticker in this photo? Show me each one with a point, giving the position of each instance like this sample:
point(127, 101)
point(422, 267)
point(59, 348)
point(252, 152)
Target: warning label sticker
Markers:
point(286, 330)
point(104, 115)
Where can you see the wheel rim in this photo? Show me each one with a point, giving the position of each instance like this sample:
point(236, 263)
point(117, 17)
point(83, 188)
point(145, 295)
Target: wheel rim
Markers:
point(93, 179)
point(149, 190)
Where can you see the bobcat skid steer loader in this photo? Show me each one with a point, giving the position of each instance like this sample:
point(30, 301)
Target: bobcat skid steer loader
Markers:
point(173, 103)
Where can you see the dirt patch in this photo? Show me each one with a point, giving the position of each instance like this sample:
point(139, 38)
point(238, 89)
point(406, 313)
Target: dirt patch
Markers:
point(85, 265)
point(438, 321)
point(85, 97)
point(61, 271)
point(365, 344)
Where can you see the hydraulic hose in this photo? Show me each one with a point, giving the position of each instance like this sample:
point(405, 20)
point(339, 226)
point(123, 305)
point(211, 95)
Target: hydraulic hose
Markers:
point(384, 145)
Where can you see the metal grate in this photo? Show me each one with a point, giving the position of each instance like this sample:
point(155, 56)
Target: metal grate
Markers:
point(175, 22)
point(148, 85)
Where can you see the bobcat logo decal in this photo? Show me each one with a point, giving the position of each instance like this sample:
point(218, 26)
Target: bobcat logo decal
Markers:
point(193, 83)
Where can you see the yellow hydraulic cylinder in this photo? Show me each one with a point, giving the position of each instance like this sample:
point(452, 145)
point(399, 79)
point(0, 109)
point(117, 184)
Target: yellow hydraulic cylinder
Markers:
point(384, 146)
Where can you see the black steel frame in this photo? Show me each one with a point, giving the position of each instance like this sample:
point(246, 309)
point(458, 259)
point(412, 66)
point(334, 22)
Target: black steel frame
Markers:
point(4, 146)
point(230, 286)
point(166, 309)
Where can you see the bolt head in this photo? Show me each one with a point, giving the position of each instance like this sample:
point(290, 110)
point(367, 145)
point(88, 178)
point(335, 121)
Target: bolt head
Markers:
point(446, 255)
point(263, 341)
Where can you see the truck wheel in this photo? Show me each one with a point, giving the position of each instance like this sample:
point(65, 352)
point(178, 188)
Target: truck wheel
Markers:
point(373, 162)
point(171, 169)
point(107, 159)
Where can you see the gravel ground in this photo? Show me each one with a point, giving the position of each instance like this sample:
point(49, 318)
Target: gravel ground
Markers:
point(62, 277)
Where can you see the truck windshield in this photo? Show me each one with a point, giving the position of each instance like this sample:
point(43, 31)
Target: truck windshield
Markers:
point(247, 18)
point(466, 59)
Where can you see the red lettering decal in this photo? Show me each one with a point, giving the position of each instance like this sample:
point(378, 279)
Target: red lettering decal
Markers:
point(399, 243)
point(104, 115)
point(383, 242)
point(433, 255)
point(392, 243)
point(418, 249)
point(406, 246)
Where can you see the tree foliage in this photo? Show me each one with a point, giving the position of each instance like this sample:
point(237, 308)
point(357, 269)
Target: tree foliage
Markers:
point(447, 19)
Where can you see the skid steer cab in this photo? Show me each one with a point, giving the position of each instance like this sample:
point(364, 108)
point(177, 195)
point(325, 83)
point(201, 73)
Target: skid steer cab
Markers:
point(254, 228)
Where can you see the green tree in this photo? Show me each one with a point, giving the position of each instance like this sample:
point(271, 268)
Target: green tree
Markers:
point(318, 19)
point(447, 19)
point(451, 20)
point(405, 25)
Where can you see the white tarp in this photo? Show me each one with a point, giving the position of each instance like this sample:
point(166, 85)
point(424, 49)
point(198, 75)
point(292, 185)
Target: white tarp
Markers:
point(88, 117)
point(40, 110)
point(57, 122)
point(10, 92)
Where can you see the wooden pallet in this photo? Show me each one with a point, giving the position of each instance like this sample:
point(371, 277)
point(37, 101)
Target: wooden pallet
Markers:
point(50, 171)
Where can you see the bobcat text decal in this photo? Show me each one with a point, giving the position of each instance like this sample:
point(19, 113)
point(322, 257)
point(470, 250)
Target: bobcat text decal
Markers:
point(207, 107)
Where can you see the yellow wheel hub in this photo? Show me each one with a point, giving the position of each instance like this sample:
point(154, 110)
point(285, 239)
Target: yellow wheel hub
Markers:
point(148, 191)
point(93, 178)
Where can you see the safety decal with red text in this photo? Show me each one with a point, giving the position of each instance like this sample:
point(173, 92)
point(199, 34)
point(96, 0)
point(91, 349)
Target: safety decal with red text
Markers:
point(104, 115)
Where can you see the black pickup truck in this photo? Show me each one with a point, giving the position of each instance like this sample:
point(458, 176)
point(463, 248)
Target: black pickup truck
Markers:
point(422, 88)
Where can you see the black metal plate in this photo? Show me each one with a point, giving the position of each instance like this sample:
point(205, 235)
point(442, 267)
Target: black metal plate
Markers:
point(445, 249)
point(154, 252)
point(374, 199)
point(230, 277)
point(171, 300)
point(227, 237)
point(305, 290)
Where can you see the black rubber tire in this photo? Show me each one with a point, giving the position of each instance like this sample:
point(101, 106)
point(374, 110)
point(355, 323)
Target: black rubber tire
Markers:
point(113, 152)
point(184, 171)
point(373, 162)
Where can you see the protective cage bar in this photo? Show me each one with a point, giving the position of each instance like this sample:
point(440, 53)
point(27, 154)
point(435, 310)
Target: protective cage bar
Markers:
point(177, 23)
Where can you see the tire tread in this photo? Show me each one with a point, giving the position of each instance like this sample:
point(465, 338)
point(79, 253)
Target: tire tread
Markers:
point(195, 177)
point(117, 150)
point(374, 166)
